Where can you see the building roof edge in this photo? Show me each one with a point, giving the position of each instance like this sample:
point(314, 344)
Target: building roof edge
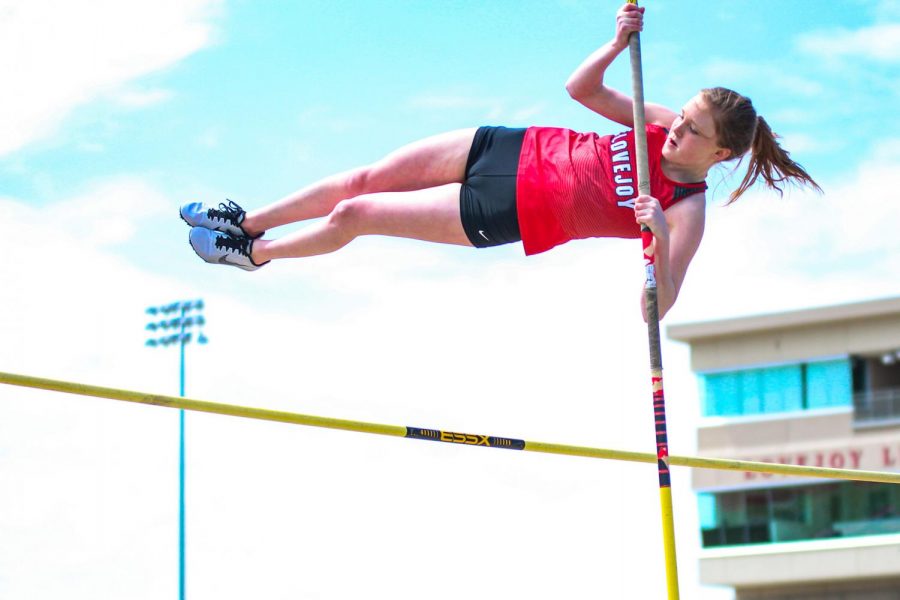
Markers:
point(689, 332)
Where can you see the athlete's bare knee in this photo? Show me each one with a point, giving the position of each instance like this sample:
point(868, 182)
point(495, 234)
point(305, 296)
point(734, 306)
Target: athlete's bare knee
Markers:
point(384, 175)
point(348, 217)
point(362, 180)
point(355, 182)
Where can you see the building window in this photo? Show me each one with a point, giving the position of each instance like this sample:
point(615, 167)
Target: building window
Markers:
point(829, 383)
point(788, 514)
point(876, 389)
point(777, 389)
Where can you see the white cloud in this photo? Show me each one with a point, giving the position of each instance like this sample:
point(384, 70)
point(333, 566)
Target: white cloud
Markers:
point(92, 147)
point(77, 468)
point(60, 55)
point(792, 116)
point(550, 348)
point(210, 138)
point(452, 101)
point(799, 144)
point(732, 72)
point(812, 249)
point(487, 107)
point(329, 119)
point(527, 113)
point(887, 10)
point(107, 212)
point(880, 42)
point(142, 98)
point(884, 153)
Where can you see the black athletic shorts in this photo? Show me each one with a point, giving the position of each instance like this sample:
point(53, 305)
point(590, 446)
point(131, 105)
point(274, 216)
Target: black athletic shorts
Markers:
point(487, 200)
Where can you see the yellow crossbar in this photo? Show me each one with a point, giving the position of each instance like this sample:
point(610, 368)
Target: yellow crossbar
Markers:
point(83, 389)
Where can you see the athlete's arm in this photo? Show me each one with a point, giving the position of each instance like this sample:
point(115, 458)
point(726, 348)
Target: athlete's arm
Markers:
point(676, 236)
point(586, 84)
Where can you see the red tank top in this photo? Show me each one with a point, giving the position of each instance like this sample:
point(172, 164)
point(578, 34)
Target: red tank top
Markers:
point(578, 185)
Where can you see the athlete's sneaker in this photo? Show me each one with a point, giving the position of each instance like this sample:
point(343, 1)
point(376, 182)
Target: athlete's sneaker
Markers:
point(223, 249)
point(227, 218)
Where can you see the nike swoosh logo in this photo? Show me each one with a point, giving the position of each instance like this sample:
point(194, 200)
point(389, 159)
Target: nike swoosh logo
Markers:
point(481, 233)
point(223, 260)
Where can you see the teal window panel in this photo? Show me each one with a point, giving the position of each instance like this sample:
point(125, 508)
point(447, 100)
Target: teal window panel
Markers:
point(706, 503)
point(829, 383)
point(706, 406)
point(725, 389)
point(752, 391)
point(783, 389)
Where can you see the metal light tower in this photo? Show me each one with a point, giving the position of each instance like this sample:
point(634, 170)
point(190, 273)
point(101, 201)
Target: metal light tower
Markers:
point(173, 324)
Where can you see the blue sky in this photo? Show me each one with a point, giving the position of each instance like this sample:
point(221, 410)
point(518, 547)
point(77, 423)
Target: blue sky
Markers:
point(121, 111)
point(281, 92)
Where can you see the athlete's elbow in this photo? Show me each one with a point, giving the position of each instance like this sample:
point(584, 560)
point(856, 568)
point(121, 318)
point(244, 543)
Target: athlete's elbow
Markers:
point(666, 304)
point(663, 311)
point(660, 313)
point(574, 91)
point(578, 89)
point(659, 306)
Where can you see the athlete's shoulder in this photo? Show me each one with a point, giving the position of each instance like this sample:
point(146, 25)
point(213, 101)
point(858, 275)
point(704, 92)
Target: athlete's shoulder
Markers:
point(688, 210)
point(657, 130)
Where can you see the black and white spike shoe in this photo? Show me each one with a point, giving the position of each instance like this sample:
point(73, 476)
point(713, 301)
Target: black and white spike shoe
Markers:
point(226, 218)
point(218, 248)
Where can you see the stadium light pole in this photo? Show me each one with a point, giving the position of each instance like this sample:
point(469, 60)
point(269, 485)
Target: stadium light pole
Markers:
point(172, 324)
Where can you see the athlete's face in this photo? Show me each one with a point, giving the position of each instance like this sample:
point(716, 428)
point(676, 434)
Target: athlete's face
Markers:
point(692, 137)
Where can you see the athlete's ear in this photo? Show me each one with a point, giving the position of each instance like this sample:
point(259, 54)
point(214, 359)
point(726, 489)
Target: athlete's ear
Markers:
point(722, 154)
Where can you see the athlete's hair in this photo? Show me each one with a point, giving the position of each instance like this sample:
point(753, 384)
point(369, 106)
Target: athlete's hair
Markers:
point(739, 129)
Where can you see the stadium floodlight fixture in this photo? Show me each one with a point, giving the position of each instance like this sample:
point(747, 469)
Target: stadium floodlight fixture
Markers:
point(174, 322)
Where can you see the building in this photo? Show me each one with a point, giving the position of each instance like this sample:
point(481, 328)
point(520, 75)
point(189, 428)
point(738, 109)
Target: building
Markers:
point(813, 387)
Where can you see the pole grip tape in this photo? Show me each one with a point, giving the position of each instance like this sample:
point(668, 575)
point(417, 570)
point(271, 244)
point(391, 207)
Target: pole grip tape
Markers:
point(468, 439)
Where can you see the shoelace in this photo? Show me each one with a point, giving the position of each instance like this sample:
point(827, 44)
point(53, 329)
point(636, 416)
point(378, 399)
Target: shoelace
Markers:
point(234, 244)
point(226, 212)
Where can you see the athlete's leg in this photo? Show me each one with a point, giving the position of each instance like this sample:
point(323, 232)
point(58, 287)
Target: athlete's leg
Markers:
point(431, 214)
point(434, 161)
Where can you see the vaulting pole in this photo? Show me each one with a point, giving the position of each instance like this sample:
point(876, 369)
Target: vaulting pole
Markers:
point(652, 308)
